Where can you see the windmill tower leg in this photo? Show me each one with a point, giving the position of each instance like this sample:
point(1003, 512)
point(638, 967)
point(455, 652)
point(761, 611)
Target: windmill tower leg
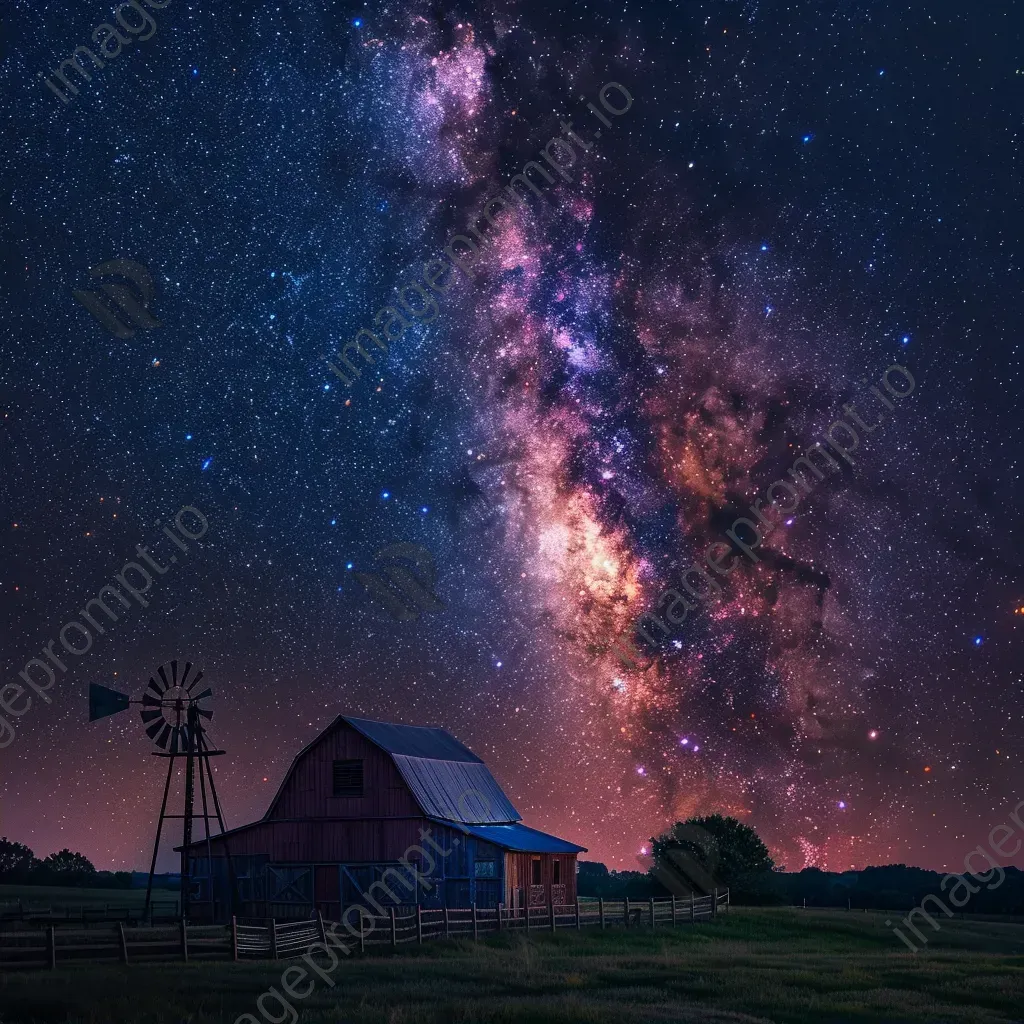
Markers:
point(156, 845)
point(204, 770)
point(190, 795)
point(232, 882)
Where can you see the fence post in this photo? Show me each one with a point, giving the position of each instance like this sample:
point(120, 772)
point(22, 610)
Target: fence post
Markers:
point(447, 926)
point(124, 944)
point(625, 912)
point(673, 911)
point(273, 937)
point(419, 924)
point(51, 947)
point(500, 905)
point(652, 911)
point(600, 911)
point(362, 933)
point(714, 903)
point(184, 941)
point(320, 925)
point(234, 938)
point(691, 907)
point(394, 930)
point(577, 913)
point(527, 915)
point(476, 931)
point(551, 909)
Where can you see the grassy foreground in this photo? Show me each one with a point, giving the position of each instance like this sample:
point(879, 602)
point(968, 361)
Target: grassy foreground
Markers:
point(59, 897)
point(783, 966)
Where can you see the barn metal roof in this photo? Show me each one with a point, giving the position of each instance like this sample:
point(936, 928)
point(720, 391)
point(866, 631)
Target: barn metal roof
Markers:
point(456, 790)
point(413, 740)
point(519, 838)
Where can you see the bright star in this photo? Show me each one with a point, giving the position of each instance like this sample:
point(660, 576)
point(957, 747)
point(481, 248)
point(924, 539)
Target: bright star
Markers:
point(977, 641)
point(385, 495)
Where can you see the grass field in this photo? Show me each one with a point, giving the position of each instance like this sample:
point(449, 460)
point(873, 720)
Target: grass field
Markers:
point(60, 897)
point(811, 967)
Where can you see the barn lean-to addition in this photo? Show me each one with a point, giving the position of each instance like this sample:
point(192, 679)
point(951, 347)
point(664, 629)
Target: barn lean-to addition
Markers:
point(396, 814)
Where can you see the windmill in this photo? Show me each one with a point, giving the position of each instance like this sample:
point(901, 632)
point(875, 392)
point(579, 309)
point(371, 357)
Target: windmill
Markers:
point(172, 716)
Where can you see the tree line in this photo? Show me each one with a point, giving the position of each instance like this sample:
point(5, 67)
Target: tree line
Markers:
point(20, 866)
point(700, 854)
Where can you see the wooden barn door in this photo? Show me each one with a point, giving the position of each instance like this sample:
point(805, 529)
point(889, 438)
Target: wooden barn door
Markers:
point(327, 891)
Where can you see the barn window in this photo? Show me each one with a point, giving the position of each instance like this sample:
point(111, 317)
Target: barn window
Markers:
point(557, 877)
point(485, 869)
point(348, 778)
point(536, 871)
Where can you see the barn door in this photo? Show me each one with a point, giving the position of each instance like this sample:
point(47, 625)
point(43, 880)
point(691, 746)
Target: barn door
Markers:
point(289, 891)
point(327, 891)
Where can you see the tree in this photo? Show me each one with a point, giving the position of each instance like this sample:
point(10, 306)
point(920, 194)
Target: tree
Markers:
point(701, 854)
point(68, 868)
point(16, 861)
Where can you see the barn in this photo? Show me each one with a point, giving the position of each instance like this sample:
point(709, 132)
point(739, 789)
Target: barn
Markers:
point(381, 814)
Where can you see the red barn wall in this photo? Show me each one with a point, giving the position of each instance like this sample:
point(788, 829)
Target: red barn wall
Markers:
point(308, 788)
point(519, 875)
point(324, 841)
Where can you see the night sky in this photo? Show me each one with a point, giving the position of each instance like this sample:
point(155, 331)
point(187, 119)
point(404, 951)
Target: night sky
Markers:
point(800, 195)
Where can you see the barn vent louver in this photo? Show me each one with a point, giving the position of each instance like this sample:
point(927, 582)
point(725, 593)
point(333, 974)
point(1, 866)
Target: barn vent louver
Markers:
point(348, 778)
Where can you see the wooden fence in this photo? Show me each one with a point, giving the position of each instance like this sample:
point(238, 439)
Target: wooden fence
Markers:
point(273, 940)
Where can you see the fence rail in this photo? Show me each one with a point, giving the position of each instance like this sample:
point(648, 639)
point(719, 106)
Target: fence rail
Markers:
point(279, 940)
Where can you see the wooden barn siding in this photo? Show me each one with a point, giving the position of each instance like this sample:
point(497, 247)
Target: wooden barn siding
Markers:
point(326, 842)
point(308, 791)
point(518, 873)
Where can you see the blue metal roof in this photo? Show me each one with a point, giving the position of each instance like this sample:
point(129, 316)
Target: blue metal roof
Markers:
point(519, 838)
point(447, 779)
point(455, 790)
point(413, 740)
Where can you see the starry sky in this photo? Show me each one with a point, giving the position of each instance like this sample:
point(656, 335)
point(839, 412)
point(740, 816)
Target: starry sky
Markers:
point(800, 196)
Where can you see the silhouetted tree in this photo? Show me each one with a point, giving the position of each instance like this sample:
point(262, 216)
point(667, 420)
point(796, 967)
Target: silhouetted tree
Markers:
point(67, 868)
point(16, 861)
point(700, 854)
